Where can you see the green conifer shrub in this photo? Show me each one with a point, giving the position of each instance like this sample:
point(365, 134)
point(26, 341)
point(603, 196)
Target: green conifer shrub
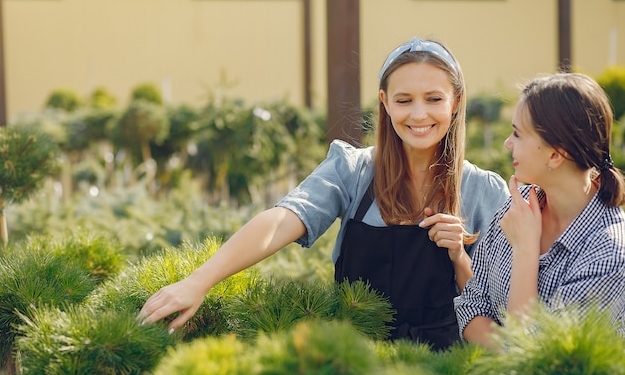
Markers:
point(317, 347)
point(64, 99)
point(147, 91)
point(366, 309)
point(278, 304)
point(136, 283)
point(225, 355)
point(82, 340)
point(550, 343)
point(27, 158)
point(32, 277)
point(100, 256)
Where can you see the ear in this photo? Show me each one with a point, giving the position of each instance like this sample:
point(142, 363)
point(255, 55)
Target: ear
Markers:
point(558, 156)
point(384, 99)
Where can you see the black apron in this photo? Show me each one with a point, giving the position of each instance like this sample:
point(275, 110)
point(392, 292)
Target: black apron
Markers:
point(401, 262)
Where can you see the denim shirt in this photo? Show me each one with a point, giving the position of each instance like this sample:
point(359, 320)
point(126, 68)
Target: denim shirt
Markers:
point(334, 190)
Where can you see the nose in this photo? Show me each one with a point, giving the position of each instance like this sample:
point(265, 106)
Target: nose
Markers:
point(418, 112)
point(508, 143)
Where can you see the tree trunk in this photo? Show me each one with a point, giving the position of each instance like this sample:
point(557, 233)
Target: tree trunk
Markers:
point(4, 233)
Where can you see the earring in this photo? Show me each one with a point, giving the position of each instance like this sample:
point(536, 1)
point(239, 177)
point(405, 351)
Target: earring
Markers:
point(549, 167)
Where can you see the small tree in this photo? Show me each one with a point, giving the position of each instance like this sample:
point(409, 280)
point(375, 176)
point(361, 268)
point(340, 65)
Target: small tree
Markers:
point(64, 99)
point(27, 157)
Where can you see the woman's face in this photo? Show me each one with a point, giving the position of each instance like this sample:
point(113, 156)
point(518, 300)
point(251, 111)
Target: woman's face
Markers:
point(530, 153)
point(420, 101)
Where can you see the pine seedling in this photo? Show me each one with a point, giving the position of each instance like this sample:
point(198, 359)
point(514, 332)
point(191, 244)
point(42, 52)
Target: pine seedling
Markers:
point(365, 308)
point(34, 277)
point(101, 257)
point(403, 351)
point(81, 340)
point(567, 341)
point(225, 355)
point(458, 359)
point(136, 283)
point(317, 347)
point(276, 305)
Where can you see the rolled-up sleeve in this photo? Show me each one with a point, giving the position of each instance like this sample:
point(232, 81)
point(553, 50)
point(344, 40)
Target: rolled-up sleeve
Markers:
point(325, 194)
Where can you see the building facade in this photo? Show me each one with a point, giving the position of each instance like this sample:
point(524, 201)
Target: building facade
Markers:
point(196, 50)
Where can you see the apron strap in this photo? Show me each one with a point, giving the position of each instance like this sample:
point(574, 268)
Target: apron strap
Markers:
point(365, 203)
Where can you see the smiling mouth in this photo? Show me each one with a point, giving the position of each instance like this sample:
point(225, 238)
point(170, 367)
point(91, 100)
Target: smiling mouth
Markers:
point(420, 129)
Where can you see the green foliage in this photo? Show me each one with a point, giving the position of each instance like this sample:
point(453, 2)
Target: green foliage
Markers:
point(612, 80)
point(27, 157)
point(566, 341)
point(81, 340)
point(484, 108)
point(33, 276)
point(317, 347)
point(99, 256)
point(86, 127)
point(101, 98)
point(224, 355)
point(142, 122)
point(130, 216)
point(131, 288)
point(148, 92)
point(365, 308)
point(278, 305)
point(64, 99)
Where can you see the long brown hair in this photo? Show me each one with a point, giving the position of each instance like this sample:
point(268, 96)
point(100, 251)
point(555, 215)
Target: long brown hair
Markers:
point(393, 191)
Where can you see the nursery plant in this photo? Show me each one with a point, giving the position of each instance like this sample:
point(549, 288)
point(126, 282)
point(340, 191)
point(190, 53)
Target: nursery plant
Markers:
point(64, 99)
point(141, 123)
point(27, 158)
point(32, 277)
point(278, 304)
point(82, 340)
point(570, 341)
point(136, 283)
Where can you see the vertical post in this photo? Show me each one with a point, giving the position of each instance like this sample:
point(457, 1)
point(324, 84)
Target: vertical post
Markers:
point(3, 101)
point(564, 35)
point(307, 53)
point(343, 41)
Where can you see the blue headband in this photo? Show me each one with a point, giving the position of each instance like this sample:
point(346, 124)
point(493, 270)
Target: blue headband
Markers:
point(416, 44)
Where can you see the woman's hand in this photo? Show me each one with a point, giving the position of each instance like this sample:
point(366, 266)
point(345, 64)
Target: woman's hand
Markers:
point(185, 297)
point(446, 231)
point(522, 223)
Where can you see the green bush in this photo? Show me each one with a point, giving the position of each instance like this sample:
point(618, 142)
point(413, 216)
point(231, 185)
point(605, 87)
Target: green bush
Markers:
point(612, 80)
point(34, 276)
point(562, 342)
point(81, 340)
point(101, 98)
point(225, 355)
point(101, 257)
point(131, 288)
point(278, 305)
point(64, 99)
point(147, 91)
point(27, 156)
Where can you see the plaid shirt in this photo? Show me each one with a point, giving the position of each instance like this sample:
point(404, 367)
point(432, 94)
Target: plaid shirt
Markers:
point(585, 264)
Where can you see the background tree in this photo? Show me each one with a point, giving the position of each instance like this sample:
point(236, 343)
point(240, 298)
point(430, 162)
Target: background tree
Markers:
point(27, 157)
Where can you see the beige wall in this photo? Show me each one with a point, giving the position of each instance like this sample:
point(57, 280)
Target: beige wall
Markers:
point(191, 47)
